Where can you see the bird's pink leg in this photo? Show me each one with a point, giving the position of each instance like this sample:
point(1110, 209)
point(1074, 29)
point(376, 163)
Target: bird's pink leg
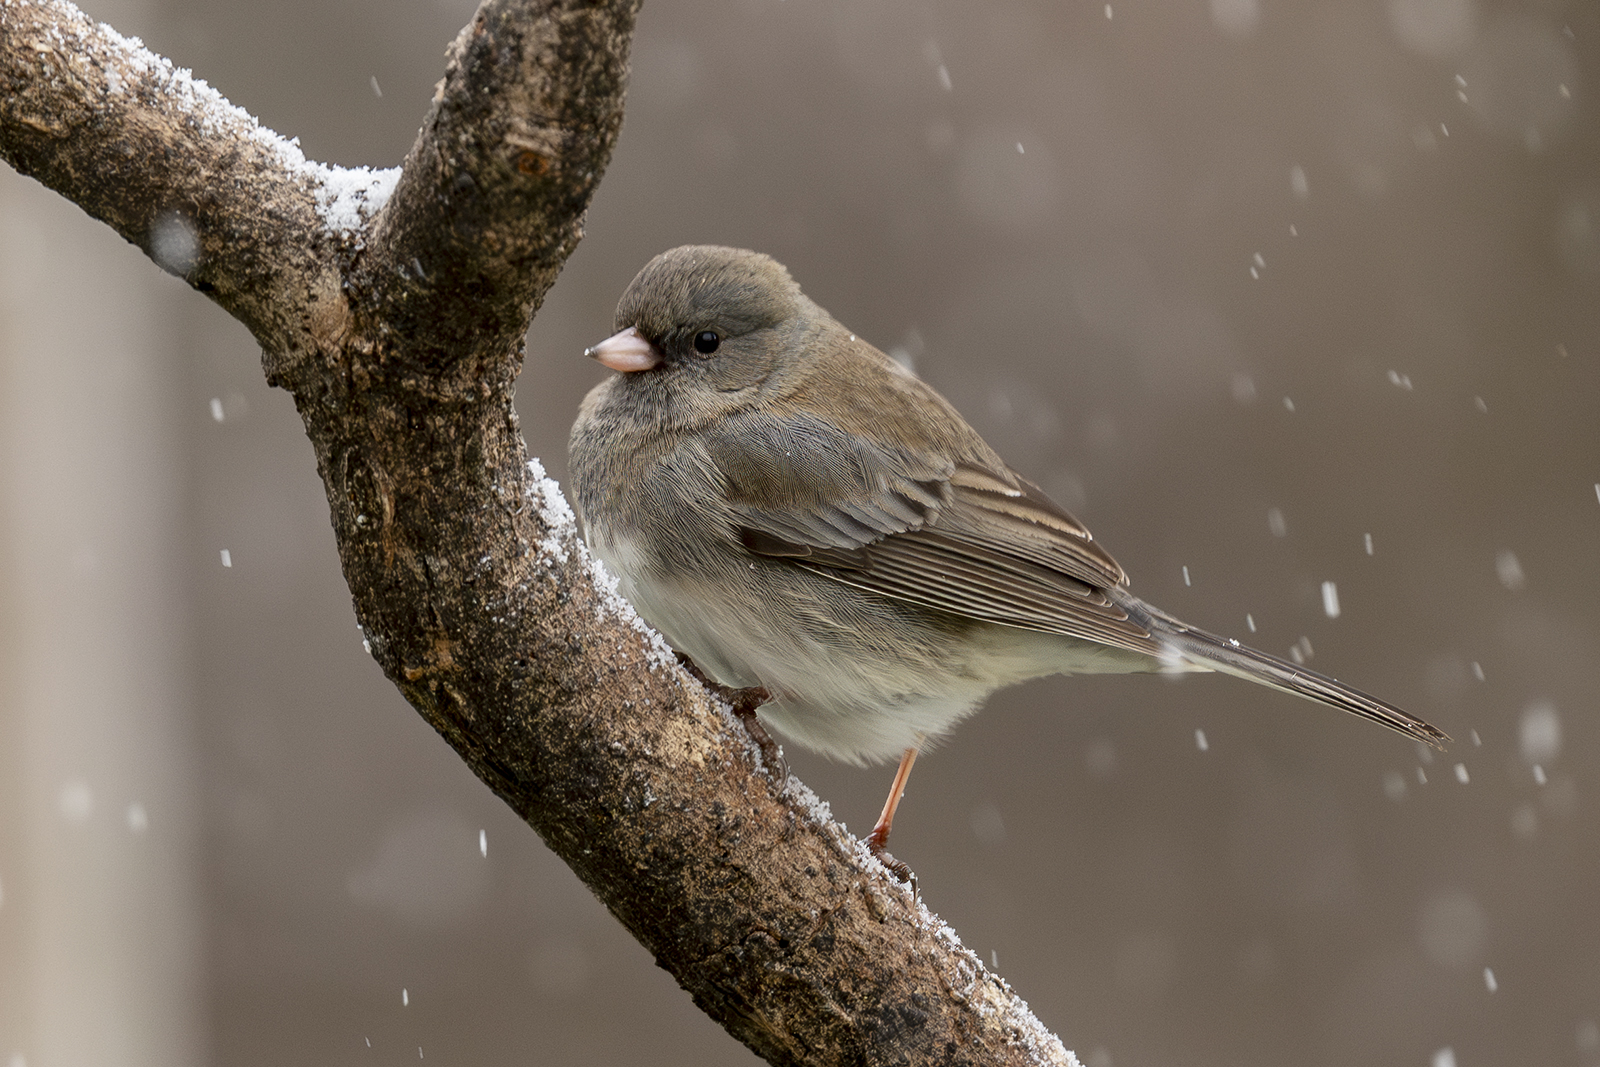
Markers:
point(878, 840)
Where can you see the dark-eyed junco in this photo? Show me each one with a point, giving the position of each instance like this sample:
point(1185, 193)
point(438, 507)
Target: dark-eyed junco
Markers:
point(796, 511)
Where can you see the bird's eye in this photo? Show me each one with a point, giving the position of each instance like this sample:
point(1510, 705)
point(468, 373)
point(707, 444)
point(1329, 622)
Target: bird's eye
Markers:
point(706, 342)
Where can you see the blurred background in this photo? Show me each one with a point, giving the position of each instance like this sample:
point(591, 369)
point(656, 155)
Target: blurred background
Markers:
point(1270, 293)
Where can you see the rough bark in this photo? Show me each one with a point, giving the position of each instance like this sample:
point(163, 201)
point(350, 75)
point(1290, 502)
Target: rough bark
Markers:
point(396, 320)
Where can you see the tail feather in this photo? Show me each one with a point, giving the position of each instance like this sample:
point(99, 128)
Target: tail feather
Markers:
point(1222, 654)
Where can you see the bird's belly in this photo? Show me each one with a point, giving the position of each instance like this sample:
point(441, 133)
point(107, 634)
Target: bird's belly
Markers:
point(852, 676)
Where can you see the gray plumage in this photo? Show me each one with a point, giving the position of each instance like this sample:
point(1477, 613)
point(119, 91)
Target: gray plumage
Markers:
point(795, 510)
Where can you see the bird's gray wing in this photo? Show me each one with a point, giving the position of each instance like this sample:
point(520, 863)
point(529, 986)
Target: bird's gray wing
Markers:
point(974, 539)
point(966, 537)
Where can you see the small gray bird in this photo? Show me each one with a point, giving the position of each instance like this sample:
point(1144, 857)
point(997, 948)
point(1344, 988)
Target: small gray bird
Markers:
point(797, 512)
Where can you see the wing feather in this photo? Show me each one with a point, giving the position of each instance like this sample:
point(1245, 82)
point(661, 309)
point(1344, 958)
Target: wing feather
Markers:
point(971, 538)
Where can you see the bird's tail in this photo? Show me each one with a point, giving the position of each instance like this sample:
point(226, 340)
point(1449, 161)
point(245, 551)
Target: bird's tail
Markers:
point(1222, 654)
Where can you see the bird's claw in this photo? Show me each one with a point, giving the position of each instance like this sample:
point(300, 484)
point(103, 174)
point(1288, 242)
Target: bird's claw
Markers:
point(878, 845)
point(744, 703)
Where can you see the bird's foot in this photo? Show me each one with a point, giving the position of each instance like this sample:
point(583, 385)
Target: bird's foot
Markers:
point(771, 751)
point(878, 845)
point(744, 703)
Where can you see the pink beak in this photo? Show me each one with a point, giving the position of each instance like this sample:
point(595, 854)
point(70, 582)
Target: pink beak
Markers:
point(627, 352)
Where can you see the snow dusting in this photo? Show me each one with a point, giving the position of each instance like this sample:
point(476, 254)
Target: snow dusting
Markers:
point(346, 198)
point(561, 524)
point(562, 541)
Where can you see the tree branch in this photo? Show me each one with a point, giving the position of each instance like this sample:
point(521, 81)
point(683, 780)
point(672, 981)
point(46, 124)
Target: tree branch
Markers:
point(396, 322)
point(491, 199)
